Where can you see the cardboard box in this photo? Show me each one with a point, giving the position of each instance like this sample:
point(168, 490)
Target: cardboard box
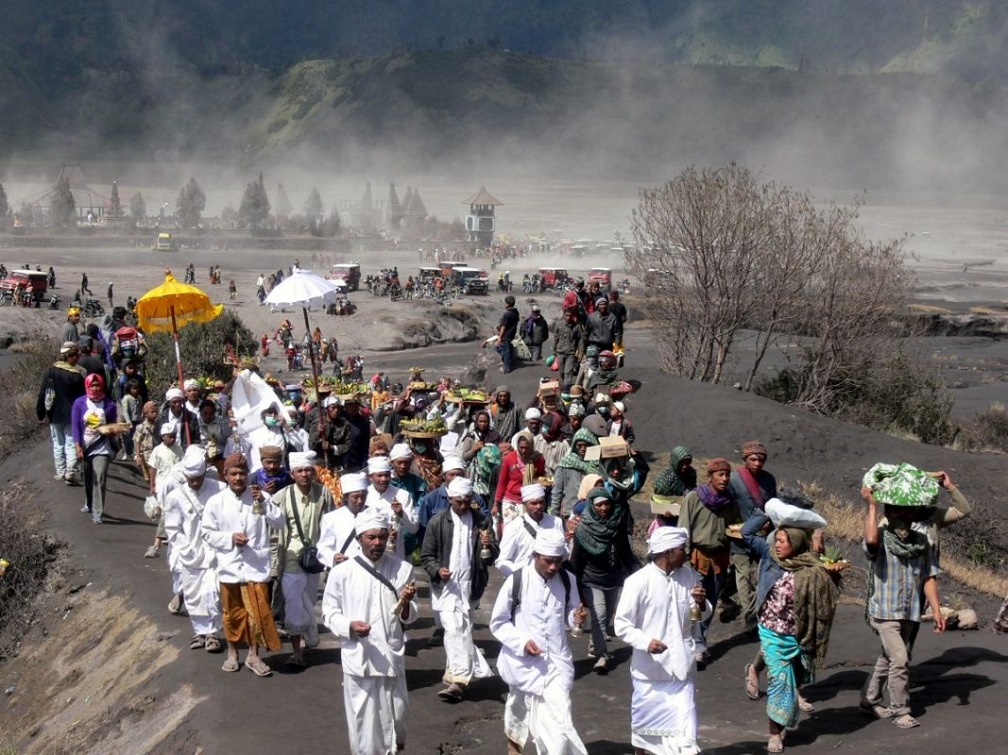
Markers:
point(608, 448)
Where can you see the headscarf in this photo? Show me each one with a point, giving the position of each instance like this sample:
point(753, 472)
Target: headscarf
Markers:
point(274, 453)
point(460, 487)
point(709, 497)
point(670, 482)
point(588, 483)
point(815, 596)
point(173, 393)
point(528, 475)
point(94, 386)
point(573, 461)
point(596, 535)
point(751, 447)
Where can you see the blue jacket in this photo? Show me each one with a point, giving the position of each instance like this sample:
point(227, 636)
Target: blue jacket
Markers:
point(769, 570)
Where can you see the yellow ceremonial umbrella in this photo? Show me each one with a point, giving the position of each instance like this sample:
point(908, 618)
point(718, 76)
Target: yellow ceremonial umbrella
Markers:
point(172, 304)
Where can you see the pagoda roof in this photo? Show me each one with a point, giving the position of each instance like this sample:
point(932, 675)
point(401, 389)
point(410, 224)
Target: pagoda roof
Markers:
point(482, 197)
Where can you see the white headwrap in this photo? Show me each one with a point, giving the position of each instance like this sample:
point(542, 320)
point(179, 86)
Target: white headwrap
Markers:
point(460, 487)
point(620, 405)
point(452, 464)
point(299, 459)
point(168, 427)
point(533, 492)
point(330, 401)
point(550, 542)
point(190, 383)
point(378, 464)
point(400, 451)
point(194, 461)
point(533, 413)
point(173, 393)
point(370, 519)
point(666, 539)
point(352, 483)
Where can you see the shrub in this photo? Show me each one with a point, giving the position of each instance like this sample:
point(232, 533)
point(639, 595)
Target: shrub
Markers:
point(204, 349)
point(986, 431)
point(20, 385)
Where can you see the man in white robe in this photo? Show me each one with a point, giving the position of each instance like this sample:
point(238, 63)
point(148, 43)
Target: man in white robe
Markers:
point(367, 601)
point(397, 504)
point(654, 617)
point(457, 549)
point(530, 619)
point(519, 536)
point(338, 539)
point(192, 561)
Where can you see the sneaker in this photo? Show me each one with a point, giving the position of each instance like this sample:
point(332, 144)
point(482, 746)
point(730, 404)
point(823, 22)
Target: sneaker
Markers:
point(152, 552)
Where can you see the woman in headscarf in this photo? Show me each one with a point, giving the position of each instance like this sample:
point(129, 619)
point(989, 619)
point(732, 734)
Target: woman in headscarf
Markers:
point(705, 513)
point(570, 471)
point(602, 558)
point(795, 602)
point(479, 434)
point(94, 448)
point(672, 484)
point(522, 466)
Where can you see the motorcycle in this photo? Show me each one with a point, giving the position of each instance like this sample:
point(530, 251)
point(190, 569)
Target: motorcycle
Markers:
point(54, 301)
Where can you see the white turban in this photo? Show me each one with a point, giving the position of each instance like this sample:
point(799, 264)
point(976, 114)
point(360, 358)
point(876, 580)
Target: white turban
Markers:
point(460, 487)
point(533, 492)
point(400, 451)
point(452, 464)
point(378, 464)
point(169, 427)
point(666, 539)
point(300, 459)
point(330, 401)
point(190, 383)
point(370, 519)
point(173, 393)
point(352, 483)
point(194, 461)
point(533, 413)
point(550, 542)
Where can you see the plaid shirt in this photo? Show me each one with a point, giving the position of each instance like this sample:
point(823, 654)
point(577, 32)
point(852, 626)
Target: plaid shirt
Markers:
point(898, 585)
point(143, 440)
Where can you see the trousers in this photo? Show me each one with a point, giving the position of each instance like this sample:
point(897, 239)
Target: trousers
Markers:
point(892, 668)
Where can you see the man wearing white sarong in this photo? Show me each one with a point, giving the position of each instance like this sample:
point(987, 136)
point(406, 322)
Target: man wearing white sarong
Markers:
point(192, 561)
point(367, 601)
point(530, 619)
point(397, 504)
point(654, 617)
point(303, 504)
point(520, 534)
point(338, 540)
point(458, 546)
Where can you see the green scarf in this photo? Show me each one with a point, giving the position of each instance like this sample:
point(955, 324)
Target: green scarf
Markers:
point(595, 534)
point(573, 461)
point(815, 598)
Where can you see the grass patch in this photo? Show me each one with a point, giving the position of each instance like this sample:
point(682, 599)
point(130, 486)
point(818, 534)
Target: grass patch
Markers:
point(987, 431)
point(20, 385)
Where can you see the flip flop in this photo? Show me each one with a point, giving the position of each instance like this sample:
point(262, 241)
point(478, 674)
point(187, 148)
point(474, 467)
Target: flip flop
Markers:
point(906, 721)
point(751, 687)
point(258, 667)
point(230, 665)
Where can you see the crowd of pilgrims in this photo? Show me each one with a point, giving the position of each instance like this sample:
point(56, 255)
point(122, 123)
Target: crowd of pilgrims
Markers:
point(335, 492)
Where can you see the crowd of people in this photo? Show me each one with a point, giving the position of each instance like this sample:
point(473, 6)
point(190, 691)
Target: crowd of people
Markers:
point(307, 489)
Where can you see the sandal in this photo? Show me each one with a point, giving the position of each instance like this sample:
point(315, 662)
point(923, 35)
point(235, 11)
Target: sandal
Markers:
point(875, 710)
point(751, 687)
point(906, 721)
point(258, 667)
point(212, 644)
point(197, 641)
point(775, 743)
point(231, 664)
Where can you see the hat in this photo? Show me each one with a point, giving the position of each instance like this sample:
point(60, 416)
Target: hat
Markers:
point(601, 300)
point(71, 311)
point(168, 427)
point(533, 492)
point(620, 406)
point(236, 460)
point(330, 401)
point(501, 389)
point(718, 465)
point(400, 451)
point(188, 384)
point(300, 460)
point(751, 447)
point(460, 487)
point(550, 543)
point(452, 464)
point(603, 398)
point(607, 354)
point(353, 483)
point(598, 493)
point(533, 413)
point(596, 426)
point(275, 453)
point(575, 410)
point(173, 393)
point(378, 465)
point(194, 461)
point(68, 347)
point(370, 519)
point(667, 538)
point(577, 390)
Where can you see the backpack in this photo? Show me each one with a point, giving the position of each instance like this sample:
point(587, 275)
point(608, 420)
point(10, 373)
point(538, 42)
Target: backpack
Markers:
point(516, 586)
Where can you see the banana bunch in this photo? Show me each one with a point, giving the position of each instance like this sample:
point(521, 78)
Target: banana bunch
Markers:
point(425, 426)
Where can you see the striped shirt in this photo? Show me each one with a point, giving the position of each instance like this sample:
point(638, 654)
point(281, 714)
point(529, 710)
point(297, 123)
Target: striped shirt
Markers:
point(897, 588)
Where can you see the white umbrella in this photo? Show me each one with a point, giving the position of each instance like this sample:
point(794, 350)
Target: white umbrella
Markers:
point(306, 289)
